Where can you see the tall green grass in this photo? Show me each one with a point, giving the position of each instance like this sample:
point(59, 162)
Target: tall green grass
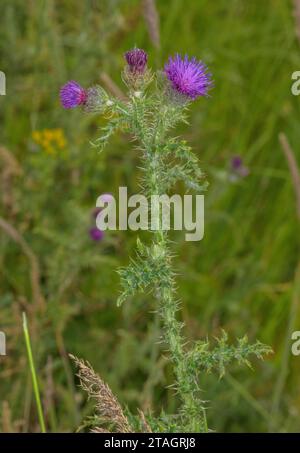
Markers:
point(35, 385)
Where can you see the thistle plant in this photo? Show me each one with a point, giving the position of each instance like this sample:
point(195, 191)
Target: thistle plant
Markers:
point(156, 103)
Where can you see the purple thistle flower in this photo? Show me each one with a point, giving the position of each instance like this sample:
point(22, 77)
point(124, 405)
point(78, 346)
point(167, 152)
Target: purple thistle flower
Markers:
point(72, 95)
point(95, 234)
point(136, 60)
point(188, 77)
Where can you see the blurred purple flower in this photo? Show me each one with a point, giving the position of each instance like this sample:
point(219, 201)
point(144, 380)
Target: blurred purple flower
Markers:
point(72, 95)
point(188, 77)
point(238, 168)
point(236, 162)
point(136, 60)
point(95, 234)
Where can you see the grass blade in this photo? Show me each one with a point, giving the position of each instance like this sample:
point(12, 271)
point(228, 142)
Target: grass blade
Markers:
point(33, 375)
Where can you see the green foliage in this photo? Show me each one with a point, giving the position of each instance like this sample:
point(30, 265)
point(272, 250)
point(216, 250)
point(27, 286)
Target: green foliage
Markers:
point(204, 358)
point(149, 269)
point(187, 170)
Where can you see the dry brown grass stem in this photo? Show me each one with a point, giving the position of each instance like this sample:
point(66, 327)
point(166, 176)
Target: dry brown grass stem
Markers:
point(145, 425)
point(297, 18)
point(107, 406)
point(37, 295)
point(111, 86)
point(152, 21)
point(293, 167)
point(10, 167)
point(6, 418)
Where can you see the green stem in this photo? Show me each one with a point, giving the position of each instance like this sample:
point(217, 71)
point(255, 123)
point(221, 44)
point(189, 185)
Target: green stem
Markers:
point(33, 375)
point(193, 409)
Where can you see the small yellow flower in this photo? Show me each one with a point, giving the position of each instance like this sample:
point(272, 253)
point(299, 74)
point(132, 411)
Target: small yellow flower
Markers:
point(50, 140)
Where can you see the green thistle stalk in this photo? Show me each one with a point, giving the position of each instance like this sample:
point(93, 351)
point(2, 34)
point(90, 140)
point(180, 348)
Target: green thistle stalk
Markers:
point(193, 410)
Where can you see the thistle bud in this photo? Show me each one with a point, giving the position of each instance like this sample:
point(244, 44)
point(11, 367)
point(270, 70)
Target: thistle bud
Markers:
point(136, 60)
point(136, 75)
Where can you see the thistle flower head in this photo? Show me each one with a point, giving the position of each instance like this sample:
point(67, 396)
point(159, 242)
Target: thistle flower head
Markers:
point(188, 77)
point(136, 60)
point(72, 95)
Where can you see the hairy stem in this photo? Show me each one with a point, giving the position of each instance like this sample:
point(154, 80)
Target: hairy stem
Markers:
point(193, 410)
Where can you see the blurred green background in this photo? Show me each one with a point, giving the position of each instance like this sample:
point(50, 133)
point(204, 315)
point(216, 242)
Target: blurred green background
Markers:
point(241, 277)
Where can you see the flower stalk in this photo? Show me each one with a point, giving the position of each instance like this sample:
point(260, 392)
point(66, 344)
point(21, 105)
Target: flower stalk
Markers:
point(193, 410)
